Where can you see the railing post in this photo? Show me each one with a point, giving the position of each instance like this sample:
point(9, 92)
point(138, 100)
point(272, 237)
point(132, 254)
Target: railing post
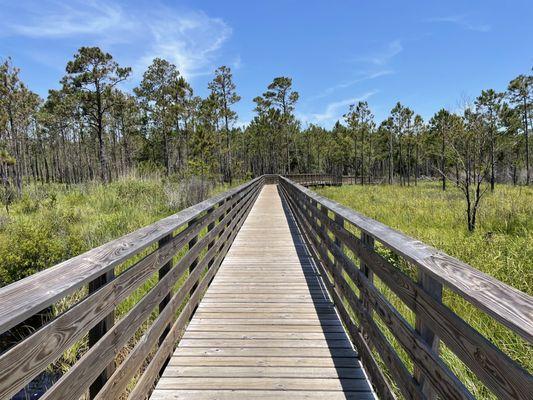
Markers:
point(222, 216)
point(161, 274)
point(98, 331)
point(210, 227)
point(368, 242)
point(339, 221)
point(434, 289)
point(193, 265)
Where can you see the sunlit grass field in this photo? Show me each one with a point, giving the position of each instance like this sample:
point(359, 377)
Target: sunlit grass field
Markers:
point(501, 246)
point(52, 222)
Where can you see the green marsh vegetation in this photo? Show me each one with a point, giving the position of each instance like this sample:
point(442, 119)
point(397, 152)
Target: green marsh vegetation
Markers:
point(63, 158)
point(50, 223)
point(501, 246)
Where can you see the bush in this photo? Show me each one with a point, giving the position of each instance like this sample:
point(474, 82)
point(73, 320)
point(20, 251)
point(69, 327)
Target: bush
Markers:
point(187, 192)
point(52, 223)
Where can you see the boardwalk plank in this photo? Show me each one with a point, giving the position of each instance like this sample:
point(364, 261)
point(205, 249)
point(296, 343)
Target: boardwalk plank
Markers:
point(266, 328)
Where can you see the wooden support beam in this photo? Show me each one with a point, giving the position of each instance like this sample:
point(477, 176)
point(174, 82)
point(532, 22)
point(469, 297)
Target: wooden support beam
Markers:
point(98, 331)
point(434, 289)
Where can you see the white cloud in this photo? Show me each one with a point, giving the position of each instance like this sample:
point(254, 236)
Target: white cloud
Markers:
point(60, 20)
point(189, 39)
point(461, 21)
point(237, 62)
point(343, 85)
point(382, 57)
point(334, 110)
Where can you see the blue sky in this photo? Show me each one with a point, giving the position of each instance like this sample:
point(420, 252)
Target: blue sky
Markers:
point(426, 54)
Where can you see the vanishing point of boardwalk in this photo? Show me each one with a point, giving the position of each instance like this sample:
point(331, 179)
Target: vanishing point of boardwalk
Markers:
point(266, 328)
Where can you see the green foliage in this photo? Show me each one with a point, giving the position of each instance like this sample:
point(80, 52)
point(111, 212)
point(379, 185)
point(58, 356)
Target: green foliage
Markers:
point(52, 223)
point(501, 246)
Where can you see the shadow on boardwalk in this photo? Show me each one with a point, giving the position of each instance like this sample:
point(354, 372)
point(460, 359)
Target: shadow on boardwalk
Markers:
point(345, 364)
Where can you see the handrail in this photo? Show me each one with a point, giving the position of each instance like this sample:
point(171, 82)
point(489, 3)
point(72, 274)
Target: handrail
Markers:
point(202, 235)
point(54, 283)
point(315, 179)
point(204, 231)
point(434, 320)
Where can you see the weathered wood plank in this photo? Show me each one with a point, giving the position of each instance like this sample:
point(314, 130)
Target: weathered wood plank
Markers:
point(244, 327)
point(263, 372)
point(258, 395)
point(295, 336)
point(282, 384)
point(343, 343)
point(56, 282)
point(281, 361)
point(264, 321)
point(264, 352)
point(506, 304)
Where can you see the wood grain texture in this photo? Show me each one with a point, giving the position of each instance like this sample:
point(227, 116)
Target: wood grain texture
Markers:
point(30, 295)
point(269, 324)
point(74, 382)
point(266, 323)
point(494, 368)
point(407, 385)
point(136, 357)
point(258, 395)
point(506, 304)
point(152, 371)
point(25, 361)
point(497, 371)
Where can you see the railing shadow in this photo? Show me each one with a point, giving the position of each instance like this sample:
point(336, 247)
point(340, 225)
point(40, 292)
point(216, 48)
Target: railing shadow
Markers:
point(343, 359)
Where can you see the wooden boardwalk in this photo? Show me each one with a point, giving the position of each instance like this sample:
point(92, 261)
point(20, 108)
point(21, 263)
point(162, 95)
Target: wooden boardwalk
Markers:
point(266, 328)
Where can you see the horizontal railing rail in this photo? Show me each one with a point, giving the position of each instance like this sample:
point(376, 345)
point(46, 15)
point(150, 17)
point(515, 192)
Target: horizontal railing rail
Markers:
point(319, 179)
point(360, 179)
point(104, 279)
point(350, 263)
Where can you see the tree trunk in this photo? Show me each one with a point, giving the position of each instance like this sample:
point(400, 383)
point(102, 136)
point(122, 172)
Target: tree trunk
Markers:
point(391, 162)
point(526, 132)
point(443, 161)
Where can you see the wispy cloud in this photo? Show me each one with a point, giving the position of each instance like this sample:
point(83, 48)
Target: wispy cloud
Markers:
point(461, 21)
point(190, 39)
point(346, 84)
point(384, 55)
point(334, 110)
point(237, 62)
point(76, 18)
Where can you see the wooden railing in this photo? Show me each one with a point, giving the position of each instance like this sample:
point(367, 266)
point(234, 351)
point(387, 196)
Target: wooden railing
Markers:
point(106, 277)
point(329, 228)
point(162, 271)
point(356, 180)
point(316, 179)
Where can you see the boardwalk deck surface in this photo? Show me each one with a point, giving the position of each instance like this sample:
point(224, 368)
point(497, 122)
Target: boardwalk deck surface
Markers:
point(266, 328)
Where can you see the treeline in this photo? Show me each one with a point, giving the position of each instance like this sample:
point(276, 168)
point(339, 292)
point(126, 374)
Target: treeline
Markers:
point(91, 129)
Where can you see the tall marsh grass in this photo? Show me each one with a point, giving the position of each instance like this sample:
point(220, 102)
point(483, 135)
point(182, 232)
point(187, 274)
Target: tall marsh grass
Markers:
point(501, 246)
point(51, 223)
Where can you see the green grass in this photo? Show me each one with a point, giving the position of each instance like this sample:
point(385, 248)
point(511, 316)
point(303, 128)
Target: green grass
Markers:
point(501, 246)
point(51, 223)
